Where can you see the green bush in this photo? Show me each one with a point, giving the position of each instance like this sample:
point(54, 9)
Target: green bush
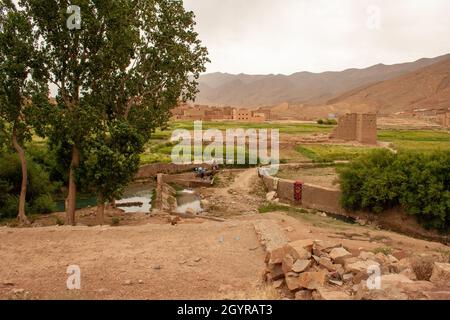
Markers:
point(39, 187)
point(420, 183)
point(329, 122)
point(43, 204)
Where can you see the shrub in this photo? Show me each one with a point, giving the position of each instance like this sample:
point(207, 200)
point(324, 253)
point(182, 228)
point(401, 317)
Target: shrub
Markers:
point(420, 183)
point(320, 121)
point(43, 204)
point(38, 190)
point(115, 221)
point(423, 267)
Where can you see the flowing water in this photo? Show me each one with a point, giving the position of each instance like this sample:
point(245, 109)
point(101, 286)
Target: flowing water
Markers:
point(188, 202)
point(136, 199)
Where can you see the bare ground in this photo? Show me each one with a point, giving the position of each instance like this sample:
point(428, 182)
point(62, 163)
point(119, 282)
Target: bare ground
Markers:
point(195, 259)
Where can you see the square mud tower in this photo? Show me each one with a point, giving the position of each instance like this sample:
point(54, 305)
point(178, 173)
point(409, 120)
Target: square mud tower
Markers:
point(357, 127)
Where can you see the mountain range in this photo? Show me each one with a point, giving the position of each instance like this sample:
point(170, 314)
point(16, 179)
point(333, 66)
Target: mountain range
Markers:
point(383, 88)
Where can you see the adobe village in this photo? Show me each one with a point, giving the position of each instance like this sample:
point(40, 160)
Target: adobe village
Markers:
point(92, 205)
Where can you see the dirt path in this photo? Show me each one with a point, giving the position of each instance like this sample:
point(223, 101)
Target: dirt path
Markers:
point(238, 195)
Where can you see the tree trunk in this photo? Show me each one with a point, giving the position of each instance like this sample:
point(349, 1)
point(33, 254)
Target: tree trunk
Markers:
point(72, 195)
point(23, 189)
point(100, 210)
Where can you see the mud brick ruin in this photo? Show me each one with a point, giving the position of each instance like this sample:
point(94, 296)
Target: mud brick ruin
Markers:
point(357, 127)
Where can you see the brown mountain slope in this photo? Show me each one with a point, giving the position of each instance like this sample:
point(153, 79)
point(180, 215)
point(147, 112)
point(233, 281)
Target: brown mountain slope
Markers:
point(298, 88)
point(427, 88)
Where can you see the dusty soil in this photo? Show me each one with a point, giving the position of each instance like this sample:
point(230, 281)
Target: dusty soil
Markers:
point(325, 176)
point(194, 259)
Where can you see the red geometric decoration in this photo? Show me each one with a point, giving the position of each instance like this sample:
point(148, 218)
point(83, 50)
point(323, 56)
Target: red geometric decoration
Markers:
point(298, 191)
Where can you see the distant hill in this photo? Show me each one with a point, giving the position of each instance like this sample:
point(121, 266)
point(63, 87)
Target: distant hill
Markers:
point(302, 88)
point(425, 88)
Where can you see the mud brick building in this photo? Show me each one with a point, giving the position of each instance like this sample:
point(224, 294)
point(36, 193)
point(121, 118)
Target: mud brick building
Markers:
point(357, 127)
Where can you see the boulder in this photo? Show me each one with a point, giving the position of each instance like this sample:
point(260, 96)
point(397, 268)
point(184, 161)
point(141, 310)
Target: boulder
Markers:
point(364, 255)
point(312, 280)
point(392, 259)
point(339, 255)
point(360, 276)
point(330, 295)
point(303, 295)
point(271, 196)
point(306, 244)
point(276, 255)
point(287, 263)
point(275, 271)
point(278, 283)
point(409, 272)
point(381, 258)
point(360, 266)
point(292, 281)
point(327, 264)
point(301, 266)
point(298, 251)
point(393, 280)
point(441, 273)
point(347, 277)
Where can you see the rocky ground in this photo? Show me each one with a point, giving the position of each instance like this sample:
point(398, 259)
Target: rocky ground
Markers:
point(246, 256)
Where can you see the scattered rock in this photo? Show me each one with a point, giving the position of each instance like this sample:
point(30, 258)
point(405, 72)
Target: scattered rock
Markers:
point(287, 263)
point(141, 281)
point(359, 266)
point(18, 291)
point(158, 267)
point(336, 282)
point(271, 196)
point(392, 259)
point(312, 280)
point(364, 255)
point(292, 281)
point(441, 273)
point(347, 277)
point(409, 273)
point(303, 295)
point(301, 266)
point(289, 229)
point(339, 255)
point(277, 255)
point(197, 259)
point(300, 250)
point(278, 283)
point(330, 295)
point(275, 271)
point(327, 264)
point(127, 282)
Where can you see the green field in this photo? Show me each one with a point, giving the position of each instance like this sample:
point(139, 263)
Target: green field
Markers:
point(419, 140)
point(329, 153)
point(159, 148)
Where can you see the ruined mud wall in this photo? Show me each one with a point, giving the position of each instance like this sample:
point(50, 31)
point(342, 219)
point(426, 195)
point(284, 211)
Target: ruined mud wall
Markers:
point(313, 197)
point(150, 171)
point(165, 198)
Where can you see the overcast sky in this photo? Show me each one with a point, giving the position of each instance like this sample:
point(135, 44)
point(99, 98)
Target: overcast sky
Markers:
point(287, 36)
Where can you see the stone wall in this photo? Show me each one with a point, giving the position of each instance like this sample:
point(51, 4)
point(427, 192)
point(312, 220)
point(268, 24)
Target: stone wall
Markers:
point(313, 197)
point(150, 171)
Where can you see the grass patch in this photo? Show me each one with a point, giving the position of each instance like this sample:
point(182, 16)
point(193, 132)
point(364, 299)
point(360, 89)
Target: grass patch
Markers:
point(384, 250)
point(416, 140)
point(330, 153)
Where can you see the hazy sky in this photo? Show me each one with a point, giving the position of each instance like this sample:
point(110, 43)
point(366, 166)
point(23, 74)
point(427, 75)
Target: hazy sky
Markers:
point(287, 36)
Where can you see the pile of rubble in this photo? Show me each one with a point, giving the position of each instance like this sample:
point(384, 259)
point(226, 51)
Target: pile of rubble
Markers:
point(316, 270)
